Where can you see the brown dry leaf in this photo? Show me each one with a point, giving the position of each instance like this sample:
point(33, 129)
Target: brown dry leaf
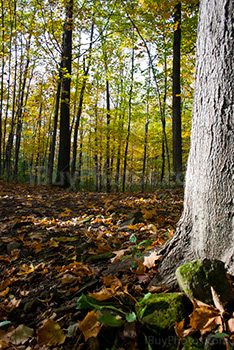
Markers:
point(4, 292)
point(46, 300)
point(13, 304)
point(112, 281)
point(50, 334)
point(4, 339)
point(90, 326)
point(202, 314)
point(159, 289)
point(211, 324)
point(68, 278)
point(149, 261)
point(103, 294)
point(140, 268)
point(119, 254)
point(147, 214)
point(181, 332)
point(7, 282)
point(77, 268)
point(21, 334)
point(53, 244)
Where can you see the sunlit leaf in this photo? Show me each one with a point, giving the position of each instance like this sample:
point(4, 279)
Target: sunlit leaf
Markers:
point(26, 269)
point(131, 317)
point(90, 326)
point(150, 260)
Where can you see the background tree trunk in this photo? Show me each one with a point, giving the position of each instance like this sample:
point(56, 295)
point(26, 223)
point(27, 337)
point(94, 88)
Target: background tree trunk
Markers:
point(206, 228)
point(176, 108)
point(63, 173)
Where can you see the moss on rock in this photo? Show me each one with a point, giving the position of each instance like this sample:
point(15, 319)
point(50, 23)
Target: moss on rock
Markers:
point(196, 278)
point(160, 312)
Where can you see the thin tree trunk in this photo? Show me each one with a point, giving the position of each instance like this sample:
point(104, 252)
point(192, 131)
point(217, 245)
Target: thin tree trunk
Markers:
point(145, 148)
point(176, 108)
point(63, 172)
point(120, 133)
point(96, 149)
point(9, 145)
point(54, 133)
point(20, 113)
point(159, 98)
point(129, 123)
point(78, 182)
point(80, 106)
point(2, 82)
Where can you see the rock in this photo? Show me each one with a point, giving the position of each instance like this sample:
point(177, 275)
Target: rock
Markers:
point(160, 312)
point(197, 277)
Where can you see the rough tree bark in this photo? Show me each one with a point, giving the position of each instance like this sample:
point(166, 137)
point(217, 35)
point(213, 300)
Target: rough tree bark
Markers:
point(206, 228)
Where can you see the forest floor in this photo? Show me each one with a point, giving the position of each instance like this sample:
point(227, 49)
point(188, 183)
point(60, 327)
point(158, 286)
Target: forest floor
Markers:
point(56, 245)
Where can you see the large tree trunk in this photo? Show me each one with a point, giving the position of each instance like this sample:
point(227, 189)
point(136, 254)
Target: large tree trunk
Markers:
point(206, 228)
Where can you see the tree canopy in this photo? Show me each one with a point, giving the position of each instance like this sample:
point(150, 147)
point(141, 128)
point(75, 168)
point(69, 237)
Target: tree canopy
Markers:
point(136, 110)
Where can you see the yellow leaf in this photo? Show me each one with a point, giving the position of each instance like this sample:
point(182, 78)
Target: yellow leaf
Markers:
point(4, 292)
point(25, 269)
point(90, 326)
point(147, 214)
point(103, 294)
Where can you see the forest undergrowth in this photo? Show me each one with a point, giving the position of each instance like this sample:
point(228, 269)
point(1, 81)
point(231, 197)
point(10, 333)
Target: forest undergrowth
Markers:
point(55, 247)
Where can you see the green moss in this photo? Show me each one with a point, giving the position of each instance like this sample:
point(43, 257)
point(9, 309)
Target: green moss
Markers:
point(196, 277)
point(161, 311)
point(192, 344)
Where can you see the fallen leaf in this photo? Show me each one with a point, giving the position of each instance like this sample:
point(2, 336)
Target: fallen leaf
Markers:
point(90, 326)
point(181, 332)
point(68, 278)
point(4, 292)
point(103, 294)
point(50, 334)
point(112, 281)
point(46, 300)
point(149, 261)
point(147, 214)
point(140, 268)
point(217, 302)
point(119, 254)
point(204, 317)
point(21, 334)
point(26, 269)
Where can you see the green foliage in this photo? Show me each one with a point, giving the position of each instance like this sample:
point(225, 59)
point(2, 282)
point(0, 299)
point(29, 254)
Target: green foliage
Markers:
point(33, 31)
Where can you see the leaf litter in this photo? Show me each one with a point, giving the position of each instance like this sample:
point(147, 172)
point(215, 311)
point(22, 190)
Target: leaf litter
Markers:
point(55, 246)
